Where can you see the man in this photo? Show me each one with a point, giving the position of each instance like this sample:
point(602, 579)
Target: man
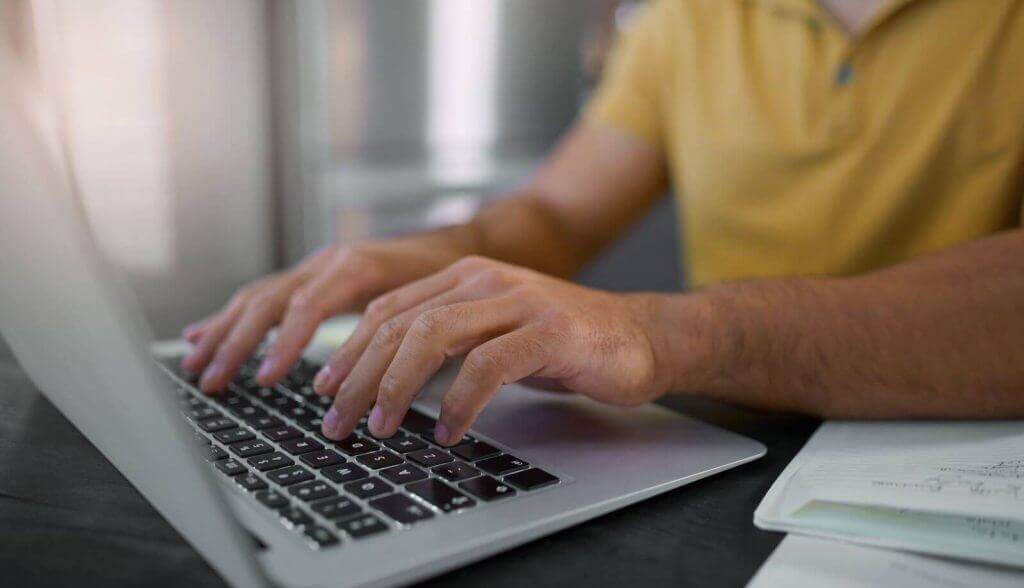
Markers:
point(849, 176)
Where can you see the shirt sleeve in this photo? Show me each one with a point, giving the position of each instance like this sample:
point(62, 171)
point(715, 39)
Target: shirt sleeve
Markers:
point(630, 96)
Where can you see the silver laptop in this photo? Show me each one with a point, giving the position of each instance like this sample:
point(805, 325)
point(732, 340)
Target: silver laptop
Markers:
point(246, 479)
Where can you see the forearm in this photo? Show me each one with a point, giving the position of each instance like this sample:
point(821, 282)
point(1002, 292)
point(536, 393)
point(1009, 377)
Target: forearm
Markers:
point(942, 336)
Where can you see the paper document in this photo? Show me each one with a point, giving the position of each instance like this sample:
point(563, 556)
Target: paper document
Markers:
point(953, 489)
point(801, 562)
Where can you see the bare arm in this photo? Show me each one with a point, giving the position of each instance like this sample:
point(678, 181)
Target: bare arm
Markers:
point(941, 336)
point(589, 190)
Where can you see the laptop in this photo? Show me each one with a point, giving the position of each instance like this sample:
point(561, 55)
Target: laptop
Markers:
point(246, 479)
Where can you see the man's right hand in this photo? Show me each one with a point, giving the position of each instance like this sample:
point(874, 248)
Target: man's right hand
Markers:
point(329, 282)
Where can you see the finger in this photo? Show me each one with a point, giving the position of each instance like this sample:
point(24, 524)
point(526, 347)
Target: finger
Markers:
point(327, 294)
point(358, 391)
point(434, 336)
point(193, 332)
point(205, 346)
point(377, 313)
point(504, 360)
point(245, 336)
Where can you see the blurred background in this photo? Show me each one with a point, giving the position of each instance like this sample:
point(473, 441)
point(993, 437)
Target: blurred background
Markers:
point(218, 141)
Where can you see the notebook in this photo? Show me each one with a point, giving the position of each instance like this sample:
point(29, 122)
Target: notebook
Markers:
point(939, 488)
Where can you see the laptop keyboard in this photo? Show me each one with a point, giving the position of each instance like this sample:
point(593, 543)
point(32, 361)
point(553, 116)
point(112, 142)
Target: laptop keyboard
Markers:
point(268, 441)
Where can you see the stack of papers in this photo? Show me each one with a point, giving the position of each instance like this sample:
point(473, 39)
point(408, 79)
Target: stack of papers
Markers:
point(949, 489)
point(801, 562)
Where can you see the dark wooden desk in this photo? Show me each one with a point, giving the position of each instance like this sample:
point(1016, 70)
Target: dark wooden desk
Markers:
point(67, 517)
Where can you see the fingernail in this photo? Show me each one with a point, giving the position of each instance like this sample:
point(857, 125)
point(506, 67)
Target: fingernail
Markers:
point(189, 331)
point(266, 368)
point(377, 421)
point(441, 434)
point(330, 422)
point(321, 379)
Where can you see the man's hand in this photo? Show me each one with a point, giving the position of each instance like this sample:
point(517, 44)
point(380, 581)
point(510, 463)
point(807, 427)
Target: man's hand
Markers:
point(510, 323)
point(332, 281)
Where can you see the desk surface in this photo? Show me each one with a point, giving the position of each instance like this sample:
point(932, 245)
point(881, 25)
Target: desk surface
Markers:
point(67, 517)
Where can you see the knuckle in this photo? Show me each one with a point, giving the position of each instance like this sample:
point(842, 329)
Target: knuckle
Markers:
point(473, 262)
point(389, 390)
point(495, 278)
point(430, 324)
point(263, 300)
point(485, 362)
point(389, 334)
point(304, 302)
point(379, 308)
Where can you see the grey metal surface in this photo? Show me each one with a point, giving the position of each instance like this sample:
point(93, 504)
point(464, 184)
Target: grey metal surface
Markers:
point(69, 518)
point(386, 101)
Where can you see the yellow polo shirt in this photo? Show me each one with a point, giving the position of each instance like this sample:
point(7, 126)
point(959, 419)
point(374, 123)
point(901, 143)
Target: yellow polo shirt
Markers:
point(795, 149)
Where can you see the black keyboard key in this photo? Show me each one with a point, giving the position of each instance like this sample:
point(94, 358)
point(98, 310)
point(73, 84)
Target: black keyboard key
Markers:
point(501, 464)
point(312, 423)
point(233, 436)
point(487, 488)
point(214, 453)
point(297, 413)
point(294, 517)
point(379, 459)
point(456, 471)
point(272, 499)
point(248, 412)
point(250, 448)
point(216, 424)
point(250, 482)
point(264, 394)
point(417, 423)
point(283, 403)
point(430, 457)
point(290, 475)
point(320, 459)
point(355, 445)
point(320, 537)
point(270, 461)
point(300, 446)
point(362, 526)
point(403, 474)
point(531, 479)
point(336, 508)
point(230, 467)
point(368, 488)
point(343, 473)
point(203, 412)
point(310, 491)
point(323, 402)
point(475, 450)
point(405, 444)
point(441, 495)
point(281, 433)
point(264, 422)
point(306, 392)
point(231, 399)
point(402, 509)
